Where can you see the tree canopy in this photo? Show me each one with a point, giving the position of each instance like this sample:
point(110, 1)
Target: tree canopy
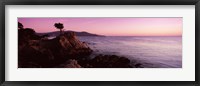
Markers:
point(20, 25)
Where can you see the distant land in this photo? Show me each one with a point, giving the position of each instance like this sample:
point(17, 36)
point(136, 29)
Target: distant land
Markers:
point(56, 33)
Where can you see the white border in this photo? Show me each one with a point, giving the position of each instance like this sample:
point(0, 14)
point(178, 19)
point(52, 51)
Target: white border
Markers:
point(186, 73)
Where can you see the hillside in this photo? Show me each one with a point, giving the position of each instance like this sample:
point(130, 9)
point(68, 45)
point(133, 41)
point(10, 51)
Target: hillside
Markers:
point(56, 33)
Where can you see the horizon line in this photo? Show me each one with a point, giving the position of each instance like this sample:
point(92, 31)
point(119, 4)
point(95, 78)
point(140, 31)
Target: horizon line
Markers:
point(121, 35)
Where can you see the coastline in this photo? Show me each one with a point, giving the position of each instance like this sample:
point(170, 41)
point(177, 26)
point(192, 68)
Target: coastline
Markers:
point(63, 51)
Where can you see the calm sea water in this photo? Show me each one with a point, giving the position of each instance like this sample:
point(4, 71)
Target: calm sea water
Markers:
point(151, 52)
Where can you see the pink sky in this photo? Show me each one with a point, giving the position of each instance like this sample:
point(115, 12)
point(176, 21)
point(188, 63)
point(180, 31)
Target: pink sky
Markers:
point(110, 26)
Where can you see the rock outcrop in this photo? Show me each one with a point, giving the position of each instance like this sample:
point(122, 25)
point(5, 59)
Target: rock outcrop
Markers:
point(106, 61)
point(36, 52)
point(72, 63)
point(64, 51)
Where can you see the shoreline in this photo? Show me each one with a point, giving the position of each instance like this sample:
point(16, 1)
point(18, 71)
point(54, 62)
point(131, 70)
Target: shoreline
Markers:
point(63, 51)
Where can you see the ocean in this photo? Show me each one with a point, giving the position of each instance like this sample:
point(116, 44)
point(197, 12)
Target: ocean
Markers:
point(151, 52)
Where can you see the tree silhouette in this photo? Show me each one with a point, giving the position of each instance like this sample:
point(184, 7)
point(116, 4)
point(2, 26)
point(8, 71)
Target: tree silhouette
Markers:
point(20, 25)
point(59, 26)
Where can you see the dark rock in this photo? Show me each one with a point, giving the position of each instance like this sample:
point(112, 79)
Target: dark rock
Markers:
point(107, 61)
point(70, 64)
point(138, 65)
point(28, 65)
point(50, 52)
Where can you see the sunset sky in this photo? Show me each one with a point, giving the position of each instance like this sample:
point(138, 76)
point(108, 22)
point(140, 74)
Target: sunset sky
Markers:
point(110, 26)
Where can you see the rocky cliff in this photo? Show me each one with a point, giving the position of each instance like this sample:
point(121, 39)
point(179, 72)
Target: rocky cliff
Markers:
point(64, 51)
point(34, 51)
